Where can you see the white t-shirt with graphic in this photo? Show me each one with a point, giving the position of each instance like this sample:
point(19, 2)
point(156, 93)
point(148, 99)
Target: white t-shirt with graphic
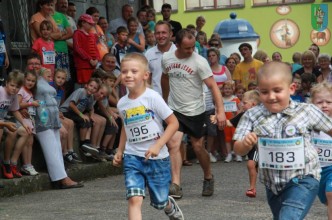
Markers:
point(7, 103)
point(186, 82)
point(143, 118)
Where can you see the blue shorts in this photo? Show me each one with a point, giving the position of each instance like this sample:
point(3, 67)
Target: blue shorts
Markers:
point(325, 184)
point(153, 174)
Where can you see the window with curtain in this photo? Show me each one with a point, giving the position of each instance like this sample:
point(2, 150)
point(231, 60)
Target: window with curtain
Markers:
point(158, 3)
point(279, 2)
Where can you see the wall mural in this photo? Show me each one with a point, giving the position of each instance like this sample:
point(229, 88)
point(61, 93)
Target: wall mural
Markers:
point(284, 33)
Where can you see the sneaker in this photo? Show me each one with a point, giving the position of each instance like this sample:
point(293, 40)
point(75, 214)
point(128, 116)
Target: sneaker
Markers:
point(175, 191)
point(69, 158)
point(89, 149)
point(30, 170)
point(75, 157)
point(208, 187)
point(238, 158)
point(212, 158)
point(228, 158)
point(176, 213)
point(7, 171)
point(16, 173)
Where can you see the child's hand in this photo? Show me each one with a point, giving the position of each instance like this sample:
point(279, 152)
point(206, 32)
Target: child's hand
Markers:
point(213, 119)
point(93, 62)
point(35, 103)
point(130, 41)
point(28, 129)
point(11, 126)
point(24, 112)
point(85, 117)
point(228, 123)
point(249, 140)
point(152, 152)
point(117, 160)
point(61, 115)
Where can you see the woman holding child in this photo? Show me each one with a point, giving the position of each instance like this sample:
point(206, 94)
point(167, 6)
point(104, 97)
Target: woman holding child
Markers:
point(48, 133)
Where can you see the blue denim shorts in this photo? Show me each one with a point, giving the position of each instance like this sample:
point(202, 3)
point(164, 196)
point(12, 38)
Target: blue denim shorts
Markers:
point(295, 200)
point(325, 184)
point(153, 174)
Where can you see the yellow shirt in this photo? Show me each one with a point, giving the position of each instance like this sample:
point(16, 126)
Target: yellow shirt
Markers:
point(247, 72)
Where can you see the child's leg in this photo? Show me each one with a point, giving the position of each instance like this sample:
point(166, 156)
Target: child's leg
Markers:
point(106, 140)
point(97, 129)
point(294, 202)
point(69, 125)
point(63, 137)
point(251, 165)
point(9, 145)
point(27, 151)
point(329, 204)
point(135, 207)
point(21, 141)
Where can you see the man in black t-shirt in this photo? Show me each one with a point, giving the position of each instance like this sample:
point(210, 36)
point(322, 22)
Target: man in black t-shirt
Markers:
point(166, 11)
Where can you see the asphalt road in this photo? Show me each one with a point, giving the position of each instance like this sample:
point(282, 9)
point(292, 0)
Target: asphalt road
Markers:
point(105, 199)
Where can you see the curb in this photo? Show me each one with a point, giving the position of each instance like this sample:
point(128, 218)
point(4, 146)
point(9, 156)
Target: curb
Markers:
point(78, 172)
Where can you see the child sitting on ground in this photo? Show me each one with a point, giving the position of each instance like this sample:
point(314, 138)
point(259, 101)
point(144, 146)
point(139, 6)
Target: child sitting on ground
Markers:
point(9, 103)
point(143, 141)
point(288, 163)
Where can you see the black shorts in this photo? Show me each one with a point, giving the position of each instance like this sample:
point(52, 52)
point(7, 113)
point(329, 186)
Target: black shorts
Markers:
point(109, 128)
point(210, 129)
point(191, 125)
point(253, 154)
point(79, 122)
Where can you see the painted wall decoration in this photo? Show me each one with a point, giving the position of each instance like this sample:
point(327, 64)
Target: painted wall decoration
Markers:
point(284, 33)
point(283, 9)
point(319, 16)
point(321, 38)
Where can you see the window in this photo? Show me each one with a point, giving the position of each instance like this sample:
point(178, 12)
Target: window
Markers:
point(158, 3)
point(279, 2)
point(192, 5)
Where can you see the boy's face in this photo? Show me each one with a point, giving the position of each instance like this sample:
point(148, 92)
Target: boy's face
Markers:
point(275, 92)
point(109, 82)
point(297, 83)
point(122, 37)
point(100, 94)
point(91, 88)
point(247, 103)
point(109, 63)
point(245, 52)
point(12, 88)
point(133, 74)
point(150, 39)
point(323, 100)
point(60, 78)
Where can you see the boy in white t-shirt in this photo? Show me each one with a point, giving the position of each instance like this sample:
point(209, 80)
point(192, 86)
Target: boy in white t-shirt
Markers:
point(143, 141)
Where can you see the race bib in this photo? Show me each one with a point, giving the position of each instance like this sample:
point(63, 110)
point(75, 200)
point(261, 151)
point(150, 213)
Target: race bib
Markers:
point(281, 154)
point(230, 106)
point(140, 125)
point(48, 57)
point(2, 46)
point(324, 149)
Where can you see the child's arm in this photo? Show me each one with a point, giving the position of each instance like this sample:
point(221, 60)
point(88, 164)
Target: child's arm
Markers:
point(118, 81)
point(107, 113)
point(34, 103)
point(244, 146)
point(172, 127)
point(122, 143)
point(74, 108)
point(10, 125)
point(18, 116)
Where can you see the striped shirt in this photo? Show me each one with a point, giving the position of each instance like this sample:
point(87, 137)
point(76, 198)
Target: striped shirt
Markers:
point(305, 118)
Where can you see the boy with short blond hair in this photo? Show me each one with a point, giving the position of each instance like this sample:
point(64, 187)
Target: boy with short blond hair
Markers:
point(9, 102)
point(288, 163)
point(143, 140)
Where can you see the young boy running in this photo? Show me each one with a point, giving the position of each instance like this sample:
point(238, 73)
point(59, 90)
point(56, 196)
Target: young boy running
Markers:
point(288, 162)
point(142, 142)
